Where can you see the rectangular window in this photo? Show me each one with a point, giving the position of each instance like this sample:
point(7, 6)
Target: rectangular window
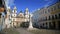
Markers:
point(52, 17)
point(49, 17)
point(55, 16)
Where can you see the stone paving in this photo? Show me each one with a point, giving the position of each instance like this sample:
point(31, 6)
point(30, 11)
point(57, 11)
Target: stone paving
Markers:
point(23, 31)
point(37, 31)
point(45, 31)
point(30, 31)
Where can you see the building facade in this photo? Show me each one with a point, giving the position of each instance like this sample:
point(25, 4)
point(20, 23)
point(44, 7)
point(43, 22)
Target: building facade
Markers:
point(48, 17)
point(2, 13)
point(15, 20)
point(8, 18)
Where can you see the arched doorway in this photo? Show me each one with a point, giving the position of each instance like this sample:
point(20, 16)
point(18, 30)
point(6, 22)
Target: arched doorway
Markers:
point(24, 24)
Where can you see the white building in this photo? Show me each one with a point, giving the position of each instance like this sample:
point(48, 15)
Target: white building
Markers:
point(17, 19)
point(14, 15)
point(48, 17)
point(8, 18)
point(26, 15)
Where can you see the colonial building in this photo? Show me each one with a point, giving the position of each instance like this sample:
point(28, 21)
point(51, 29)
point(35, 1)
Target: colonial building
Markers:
point(8, 18)
point(48, 17)
point(14, 15)
point(15, 20)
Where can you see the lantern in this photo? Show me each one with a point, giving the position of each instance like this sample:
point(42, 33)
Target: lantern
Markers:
point(1, 9)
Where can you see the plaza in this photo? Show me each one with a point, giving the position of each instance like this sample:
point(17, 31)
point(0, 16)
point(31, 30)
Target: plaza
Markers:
point(45, 20)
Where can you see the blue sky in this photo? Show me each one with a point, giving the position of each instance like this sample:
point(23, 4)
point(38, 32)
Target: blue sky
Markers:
point(31, 4)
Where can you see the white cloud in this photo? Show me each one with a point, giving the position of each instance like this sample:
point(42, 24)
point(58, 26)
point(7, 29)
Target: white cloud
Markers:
point(9, 2)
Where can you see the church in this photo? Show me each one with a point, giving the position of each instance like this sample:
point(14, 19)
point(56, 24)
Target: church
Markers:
point(13, 19)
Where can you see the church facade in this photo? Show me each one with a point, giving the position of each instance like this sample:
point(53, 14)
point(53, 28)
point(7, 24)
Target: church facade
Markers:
point(15, 20)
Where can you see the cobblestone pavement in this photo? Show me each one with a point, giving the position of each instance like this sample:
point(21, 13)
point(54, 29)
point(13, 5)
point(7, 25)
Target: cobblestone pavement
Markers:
point(37, 31)
point(45, 31)
point(23, 31)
